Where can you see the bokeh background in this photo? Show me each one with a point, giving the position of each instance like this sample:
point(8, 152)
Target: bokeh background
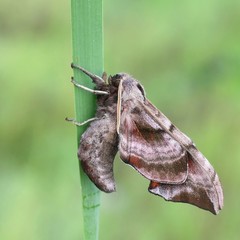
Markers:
point(186, 54)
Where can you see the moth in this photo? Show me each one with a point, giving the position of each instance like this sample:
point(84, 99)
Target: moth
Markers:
point(126, 121)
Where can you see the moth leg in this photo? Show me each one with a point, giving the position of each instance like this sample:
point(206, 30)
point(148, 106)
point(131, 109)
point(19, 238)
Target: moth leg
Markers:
point(78, 123)
point(97, 92)
point(96, 79)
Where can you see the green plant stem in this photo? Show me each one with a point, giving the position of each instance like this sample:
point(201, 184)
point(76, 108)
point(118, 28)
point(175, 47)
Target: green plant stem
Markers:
point(87, 40)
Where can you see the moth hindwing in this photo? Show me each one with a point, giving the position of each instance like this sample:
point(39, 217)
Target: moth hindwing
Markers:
point(127, 122)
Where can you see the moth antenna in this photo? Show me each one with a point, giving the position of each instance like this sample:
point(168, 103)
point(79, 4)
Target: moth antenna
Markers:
point(96, 79)
point(119, 104)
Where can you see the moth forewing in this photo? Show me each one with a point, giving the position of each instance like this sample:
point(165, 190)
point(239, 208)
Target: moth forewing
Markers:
point(186, 143)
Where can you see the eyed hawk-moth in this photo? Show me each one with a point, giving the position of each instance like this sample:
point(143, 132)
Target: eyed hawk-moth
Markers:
point(127, 122)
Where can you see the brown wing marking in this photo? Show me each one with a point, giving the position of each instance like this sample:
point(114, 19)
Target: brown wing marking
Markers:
point(206, 168)
point(197, 189)
point(151, 151)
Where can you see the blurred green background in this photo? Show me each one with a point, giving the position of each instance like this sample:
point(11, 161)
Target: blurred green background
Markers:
point(186, 54)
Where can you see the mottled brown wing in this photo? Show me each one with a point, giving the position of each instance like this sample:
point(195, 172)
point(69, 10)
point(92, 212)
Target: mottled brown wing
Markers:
point(197, 189)
point(202, 177)
point(149, 149)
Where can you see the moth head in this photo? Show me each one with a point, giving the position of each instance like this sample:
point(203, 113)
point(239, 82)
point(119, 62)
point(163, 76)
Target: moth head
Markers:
point(131, 88)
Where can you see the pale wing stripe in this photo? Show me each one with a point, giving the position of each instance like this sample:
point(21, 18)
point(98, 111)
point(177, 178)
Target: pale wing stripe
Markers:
point(119, 104)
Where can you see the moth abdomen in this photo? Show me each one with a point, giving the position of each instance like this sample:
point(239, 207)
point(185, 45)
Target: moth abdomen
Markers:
point(97, 149)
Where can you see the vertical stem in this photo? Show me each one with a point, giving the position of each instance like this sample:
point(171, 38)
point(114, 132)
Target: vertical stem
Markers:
point(87, 40)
